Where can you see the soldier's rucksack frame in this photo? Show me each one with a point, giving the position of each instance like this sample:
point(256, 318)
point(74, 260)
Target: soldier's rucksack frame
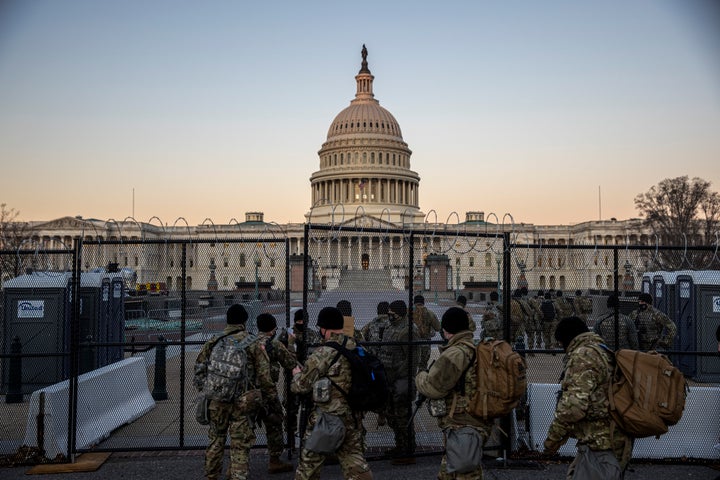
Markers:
point(369, 388)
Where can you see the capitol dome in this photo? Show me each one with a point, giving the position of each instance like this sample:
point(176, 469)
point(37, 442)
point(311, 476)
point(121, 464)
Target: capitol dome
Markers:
point(365, 165)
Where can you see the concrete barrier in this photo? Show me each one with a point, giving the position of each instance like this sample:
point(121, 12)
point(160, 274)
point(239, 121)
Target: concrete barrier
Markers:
point(693, 436)
point(108, 397)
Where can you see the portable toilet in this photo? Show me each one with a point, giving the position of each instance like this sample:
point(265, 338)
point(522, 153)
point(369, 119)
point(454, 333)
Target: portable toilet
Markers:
point(706, 286)
point(685, 319)
point(36, 310)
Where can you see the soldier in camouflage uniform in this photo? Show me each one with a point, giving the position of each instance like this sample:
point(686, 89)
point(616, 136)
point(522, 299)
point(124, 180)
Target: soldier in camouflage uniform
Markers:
point(492, 320)
point(549, 326)
point(582, 306)
point(532, 324)
point(655, 329)
point(583, 408)
point(563, 305)
point(605, 327)
point(427, 325)
point(462, 303)
point(272, 417)
point(302, 337)
point(443, 381)
point(374, 330)
point(229, 417)
point(396, 360)
point(318, 365)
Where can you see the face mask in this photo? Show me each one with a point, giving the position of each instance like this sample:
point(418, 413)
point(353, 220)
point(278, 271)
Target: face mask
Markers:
point(643, 307)
point(299, 327)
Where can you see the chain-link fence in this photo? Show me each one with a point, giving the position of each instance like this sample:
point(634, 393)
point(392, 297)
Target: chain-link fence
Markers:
point(153, 304)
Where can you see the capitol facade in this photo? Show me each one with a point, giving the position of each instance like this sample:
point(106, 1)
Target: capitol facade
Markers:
point(366, 188)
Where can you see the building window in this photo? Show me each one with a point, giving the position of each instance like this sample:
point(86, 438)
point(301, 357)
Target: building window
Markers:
point(225, 262)
point(225, 281)
point(242, 260)
point(488, 260)
point(471, 261)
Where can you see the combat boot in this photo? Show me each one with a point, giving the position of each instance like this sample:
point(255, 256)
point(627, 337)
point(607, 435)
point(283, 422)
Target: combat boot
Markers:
point(275, 465)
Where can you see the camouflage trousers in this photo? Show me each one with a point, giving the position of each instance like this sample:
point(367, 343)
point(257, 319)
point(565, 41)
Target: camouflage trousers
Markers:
point(424, 355)
point(350, 454)
point(548, 334)
point(273, 421)
point(398, 411)
point(534, 334)
point(224, 419)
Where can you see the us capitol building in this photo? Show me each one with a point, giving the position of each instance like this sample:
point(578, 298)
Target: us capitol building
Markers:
point(364, 180)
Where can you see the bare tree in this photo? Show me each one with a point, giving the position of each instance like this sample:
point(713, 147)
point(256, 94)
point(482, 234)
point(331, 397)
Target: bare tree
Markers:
point(12, 235)
point(682, 212)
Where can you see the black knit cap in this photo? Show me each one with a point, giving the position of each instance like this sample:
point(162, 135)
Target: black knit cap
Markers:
point(419, 299)
point(568, 328)
point(454, 320)
point(399, 308)
point(266, 322)
point(645, 297)
point(494, 296)
point(330, 318)
point(236, 315)
point(299, 315)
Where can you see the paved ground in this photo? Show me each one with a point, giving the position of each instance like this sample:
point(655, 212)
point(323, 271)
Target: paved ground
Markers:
point(188, 465)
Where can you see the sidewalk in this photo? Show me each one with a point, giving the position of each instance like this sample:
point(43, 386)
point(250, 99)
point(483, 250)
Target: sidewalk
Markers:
point(181, 465)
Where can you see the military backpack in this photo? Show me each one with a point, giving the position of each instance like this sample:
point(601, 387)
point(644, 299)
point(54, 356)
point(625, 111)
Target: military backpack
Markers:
point(227, 374)
point(647, 393)
point(548, 311)
point(422, 324)
point(501, 379)
point(369, 388)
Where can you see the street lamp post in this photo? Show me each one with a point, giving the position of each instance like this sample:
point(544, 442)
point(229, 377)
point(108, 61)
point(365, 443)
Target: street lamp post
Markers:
point(457, 282)
point(498, 260)
point(257, 278)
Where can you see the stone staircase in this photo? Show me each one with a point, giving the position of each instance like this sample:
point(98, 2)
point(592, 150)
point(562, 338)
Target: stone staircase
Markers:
point(365, 280)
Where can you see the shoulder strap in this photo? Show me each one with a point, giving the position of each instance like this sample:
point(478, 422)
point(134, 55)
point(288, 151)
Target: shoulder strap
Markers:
point(341, 350)
point(217, 340)
point(460, 386)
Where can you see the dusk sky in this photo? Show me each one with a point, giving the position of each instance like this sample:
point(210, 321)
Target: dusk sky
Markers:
point(555, 112)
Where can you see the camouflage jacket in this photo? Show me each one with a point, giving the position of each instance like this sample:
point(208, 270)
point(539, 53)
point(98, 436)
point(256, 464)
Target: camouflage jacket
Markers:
point(301, 341)
point(396, 358)
point(426, 321)
point(583, 409)
point(582, 306)
point(492, 319)
point(443, 381)
point(258, 362)
point(278, 354)
point(563, 308)
point(627, 334)
point(374, 331)
point(320, 364)
point(654, 328)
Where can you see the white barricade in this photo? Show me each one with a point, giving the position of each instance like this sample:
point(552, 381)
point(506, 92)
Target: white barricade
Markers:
point(108, 397)
point(693, 437)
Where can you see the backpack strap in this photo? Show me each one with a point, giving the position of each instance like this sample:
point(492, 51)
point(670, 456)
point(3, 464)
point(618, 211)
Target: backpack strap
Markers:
point(341, 350)
point(460, 386)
